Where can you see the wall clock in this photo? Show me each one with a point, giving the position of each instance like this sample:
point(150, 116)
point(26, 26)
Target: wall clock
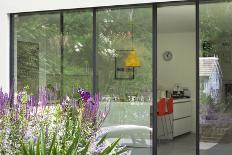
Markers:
point(167, 55)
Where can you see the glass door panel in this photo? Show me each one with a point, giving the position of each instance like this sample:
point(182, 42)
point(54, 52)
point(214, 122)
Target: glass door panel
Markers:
point(215, 63)
point(77, 55)
point(176, 79)
point(37, 51)
point(124, 73)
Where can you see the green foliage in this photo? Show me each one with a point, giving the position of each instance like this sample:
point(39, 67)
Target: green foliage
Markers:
point(39, 55)
point(215, 27)
point(29, 149)
point(116, 34)
point(206, 99)
point(73, 142)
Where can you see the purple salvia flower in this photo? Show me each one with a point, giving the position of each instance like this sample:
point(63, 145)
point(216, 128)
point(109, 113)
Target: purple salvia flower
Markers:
point(26, 115)
point(11, 92)
point(35, 139)
point(92, 110)
point(31, 104)
point(55, 92)
point(73, 90)
point(32, 100)
point(50, 97)
point(100, 148)
point(85, 95)
point(43, 97)
point(2, 101)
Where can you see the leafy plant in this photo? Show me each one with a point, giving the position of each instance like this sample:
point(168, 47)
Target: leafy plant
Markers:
point(72, 144)
point(40, 126)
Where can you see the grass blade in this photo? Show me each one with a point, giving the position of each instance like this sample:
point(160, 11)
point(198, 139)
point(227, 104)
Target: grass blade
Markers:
point(102, 140)
point(84, 151)
point(72, 147)
point(24, 150)
point(43, 147)
point(37, 147)
point(54, 151)
point(52, 144)
point(110, 148)
point(31, 152)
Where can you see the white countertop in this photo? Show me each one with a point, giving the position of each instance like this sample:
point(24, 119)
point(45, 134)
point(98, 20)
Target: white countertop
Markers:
point(182, 100)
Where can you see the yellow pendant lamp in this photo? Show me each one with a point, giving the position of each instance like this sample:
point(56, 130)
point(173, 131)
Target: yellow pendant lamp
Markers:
point(132, 59)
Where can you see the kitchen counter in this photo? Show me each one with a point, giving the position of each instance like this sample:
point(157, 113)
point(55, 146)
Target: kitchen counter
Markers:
point(181, 119)
point(181, 100)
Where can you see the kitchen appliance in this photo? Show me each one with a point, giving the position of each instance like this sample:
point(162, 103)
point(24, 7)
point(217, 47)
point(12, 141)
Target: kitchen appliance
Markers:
point(187, 93)
point(178, 91)
point(178, 94)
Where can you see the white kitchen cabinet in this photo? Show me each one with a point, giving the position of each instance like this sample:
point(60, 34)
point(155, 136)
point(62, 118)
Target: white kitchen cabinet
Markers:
point(181, 126)
point(182, 116)
point(181, 120)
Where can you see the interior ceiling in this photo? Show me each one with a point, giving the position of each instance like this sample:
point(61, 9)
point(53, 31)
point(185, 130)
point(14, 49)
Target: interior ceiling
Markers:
point(173, 19)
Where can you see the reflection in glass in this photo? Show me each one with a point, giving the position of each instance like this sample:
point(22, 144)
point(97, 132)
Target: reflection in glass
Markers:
point(77, 56)
point(37, 51)
point(124, 73)
point(215, 78)
point(43, 61)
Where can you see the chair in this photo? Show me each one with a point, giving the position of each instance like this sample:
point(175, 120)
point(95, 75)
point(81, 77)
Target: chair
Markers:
point(161, 112)
point(169, 112)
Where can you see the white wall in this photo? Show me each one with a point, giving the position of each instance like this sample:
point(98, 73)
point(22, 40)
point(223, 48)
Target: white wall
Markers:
point(36, 5)
point(4, 51)
point(182, 68)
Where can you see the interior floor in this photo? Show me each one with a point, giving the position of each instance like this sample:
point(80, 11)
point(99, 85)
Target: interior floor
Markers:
point(179, 146)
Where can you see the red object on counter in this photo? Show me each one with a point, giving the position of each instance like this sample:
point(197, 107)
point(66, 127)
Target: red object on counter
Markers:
point(161, 107)
point(170, 105)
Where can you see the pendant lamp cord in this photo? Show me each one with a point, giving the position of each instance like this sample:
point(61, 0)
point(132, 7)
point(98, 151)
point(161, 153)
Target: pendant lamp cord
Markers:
point(132, 36)
point(132, 28)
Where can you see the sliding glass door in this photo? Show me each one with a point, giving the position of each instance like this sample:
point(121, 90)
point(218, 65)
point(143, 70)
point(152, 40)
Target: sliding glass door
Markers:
point(56, 52)
point(116, 52)
point(176, 79)
point(215, 78)
point(124, 74)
